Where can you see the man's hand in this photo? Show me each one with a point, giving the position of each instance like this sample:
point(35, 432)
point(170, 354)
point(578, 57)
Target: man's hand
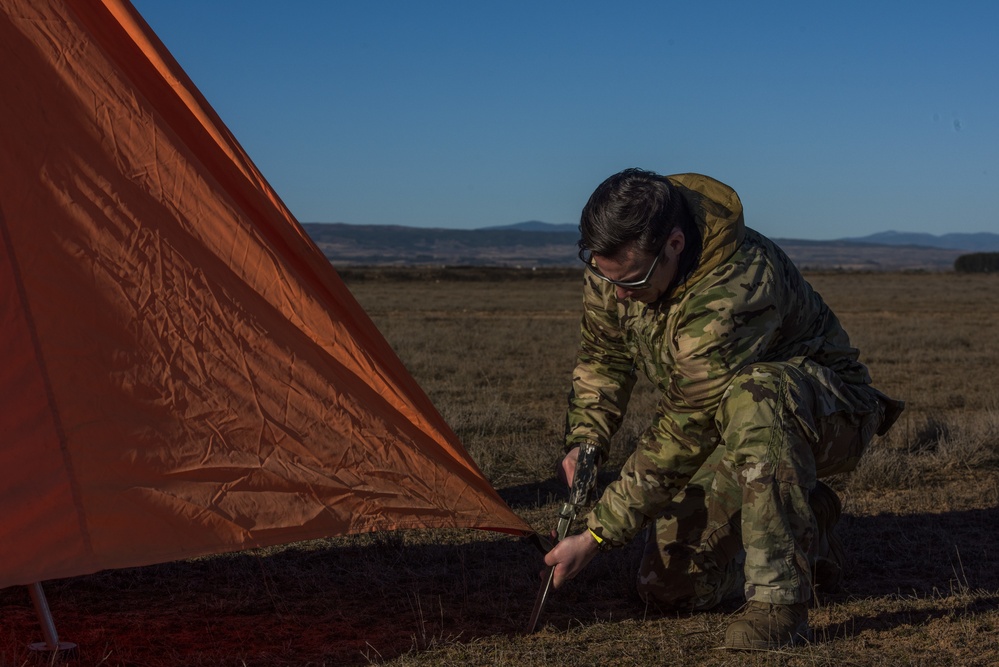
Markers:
point(567, 468)
point(571, 555)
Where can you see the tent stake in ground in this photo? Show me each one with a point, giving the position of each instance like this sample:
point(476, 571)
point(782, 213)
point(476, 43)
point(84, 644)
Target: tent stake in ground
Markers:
point(51, 642)
point(583, 486)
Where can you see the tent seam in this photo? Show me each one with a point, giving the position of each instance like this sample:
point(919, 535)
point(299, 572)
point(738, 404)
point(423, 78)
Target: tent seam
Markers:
point(46, 382)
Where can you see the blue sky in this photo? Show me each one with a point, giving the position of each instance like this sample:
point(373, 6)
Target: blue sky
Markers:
point(830, 119)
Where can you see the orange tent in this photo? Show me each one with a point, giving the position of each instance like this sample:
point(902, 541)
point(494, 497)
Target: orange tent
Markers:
point(183, 372)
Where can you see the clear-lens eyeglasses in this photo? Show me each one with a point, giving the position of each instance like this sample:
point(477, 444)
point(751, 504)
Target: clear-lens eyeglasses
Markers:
point(586, 256)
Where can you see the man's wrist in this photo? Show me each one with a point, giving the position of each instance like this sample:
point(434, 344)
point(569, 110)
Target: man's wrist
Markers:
point(599, 541)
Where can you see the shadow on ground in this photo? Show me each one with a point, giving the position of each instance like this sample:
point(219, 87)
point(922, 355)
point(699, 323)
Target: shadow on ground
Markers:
point(922, 554)
point(337, 602)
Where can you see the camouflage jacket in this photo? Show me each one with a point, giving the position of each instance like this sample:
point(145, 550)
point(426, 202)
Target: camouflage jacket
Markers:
point(743, 302)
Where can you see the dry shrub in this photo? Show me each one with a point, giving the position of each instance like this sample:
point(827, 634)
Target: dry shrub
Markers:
point(971, 444)
point(934, 446)
point(882, 467)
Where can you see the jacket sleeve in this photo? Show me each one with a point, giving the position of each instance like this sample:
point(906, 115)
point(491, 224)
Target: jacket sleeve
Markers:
point(718, 331)
point(605, 371)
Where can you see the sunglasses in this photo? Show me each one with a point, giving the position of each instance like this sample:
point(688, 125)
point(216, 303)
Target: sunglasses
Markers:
point(586, 256)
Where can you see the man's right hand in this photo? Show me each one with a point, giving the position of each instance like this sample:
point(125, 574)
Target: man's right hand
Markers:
point(567, 468)
point(570, 556)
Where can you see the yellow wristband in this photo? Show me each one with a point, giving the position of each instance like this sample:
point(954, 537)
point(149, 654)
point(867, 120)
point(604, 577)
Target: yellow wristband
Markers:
point(599, 539)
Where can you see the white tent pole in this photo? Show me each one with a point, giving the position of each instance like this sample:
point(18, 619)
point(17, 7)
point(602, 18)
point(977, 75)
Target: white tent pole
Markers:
point(51, 642)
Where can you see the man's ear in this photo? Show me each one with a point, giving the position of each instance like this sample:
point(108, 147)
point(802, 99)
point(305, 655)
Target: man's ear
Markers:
point(676, 240)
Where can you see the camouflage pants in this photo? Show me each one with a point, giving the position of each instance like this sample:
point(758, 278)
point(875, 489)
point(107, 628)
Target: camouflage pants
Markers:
point(743, 522)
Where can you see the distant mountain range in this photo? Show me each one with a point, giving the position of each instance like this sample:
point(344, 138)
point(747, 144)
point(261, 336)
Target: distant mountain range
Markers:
point(980, 242)
point(540, 244)
point(347, 244)
point(535, 226)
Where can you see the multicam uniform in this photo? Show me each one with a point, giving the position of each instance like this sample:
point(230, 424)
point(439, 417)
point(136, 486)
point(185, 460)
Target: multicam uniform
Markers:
point(761, 394)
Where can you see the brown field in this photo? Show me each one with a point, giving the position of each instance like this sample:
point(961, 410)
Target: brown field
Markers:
point(494, 350)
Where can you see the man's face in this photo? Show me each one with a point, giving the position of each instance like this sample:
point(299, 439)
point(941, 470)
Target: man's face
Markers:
point(632, 264)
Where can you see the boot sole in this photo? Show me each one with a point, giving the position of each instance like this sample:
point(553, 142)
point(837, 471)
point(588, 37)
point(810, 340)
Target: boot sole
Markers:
point(800, 638)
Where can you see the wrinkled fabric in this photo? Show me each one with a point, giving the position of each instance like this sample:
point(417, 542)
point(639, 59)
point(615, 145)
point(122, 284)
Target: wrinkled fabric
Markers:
point(744, 519)
point(184, 373)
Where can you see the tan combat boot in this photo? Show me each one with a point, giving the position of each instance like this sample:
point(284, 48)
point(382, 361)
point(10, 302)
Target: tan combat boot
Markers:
point(767, 627)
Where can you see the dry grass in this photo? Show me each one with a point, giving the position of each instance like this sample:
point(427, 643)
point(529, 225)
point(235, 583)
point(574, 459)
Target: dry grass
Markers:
point(495, 355)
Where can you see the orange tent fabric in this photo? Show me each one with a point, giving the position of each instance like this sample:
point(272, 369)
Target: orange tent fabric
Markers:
point(183, 372)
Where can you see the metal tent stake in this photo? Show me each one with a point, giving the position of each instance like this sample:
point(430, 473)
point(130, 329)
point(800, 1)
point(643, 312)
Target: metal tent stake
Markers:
point(51, 642)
